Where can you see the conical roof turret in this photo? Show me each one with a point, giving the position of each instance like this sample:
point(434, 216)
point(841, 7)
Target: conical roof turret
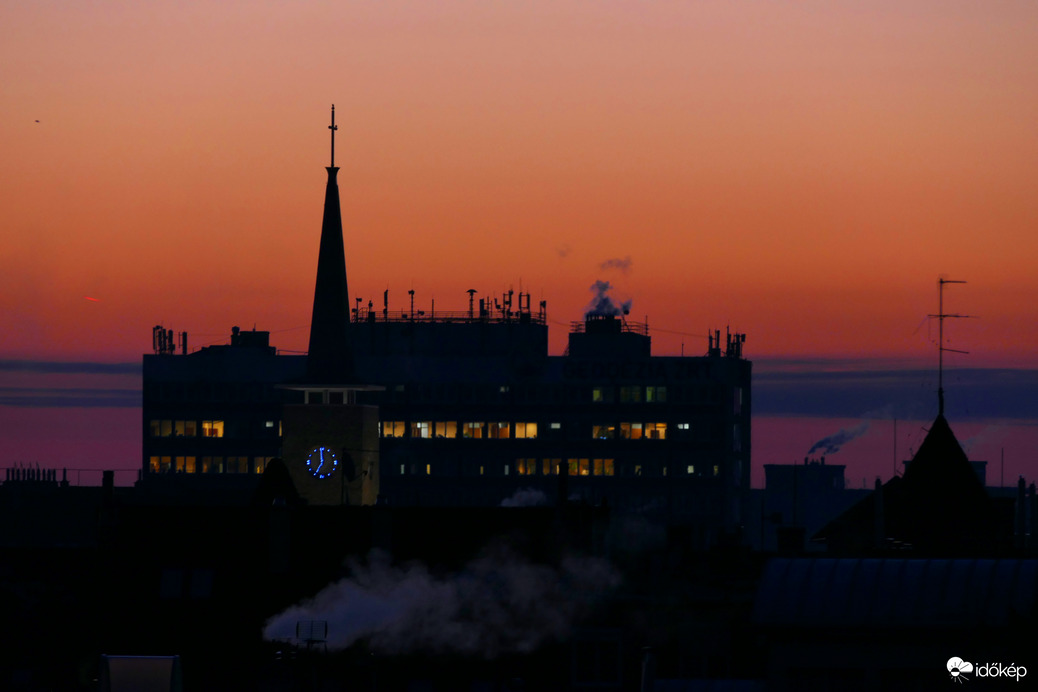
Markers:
point(330, 355)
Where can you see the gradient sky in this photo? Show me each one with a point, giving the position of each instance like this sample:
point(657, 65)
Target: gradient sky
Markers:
point(800, 171)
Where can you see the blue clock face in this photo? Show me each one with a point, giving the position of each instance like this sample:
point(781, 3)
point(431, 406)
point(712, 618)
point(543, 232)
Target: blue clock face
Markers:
point(322, 462)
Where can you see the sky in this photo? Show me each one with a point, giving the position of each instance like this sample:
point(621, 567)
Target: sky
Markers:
point(800, 172)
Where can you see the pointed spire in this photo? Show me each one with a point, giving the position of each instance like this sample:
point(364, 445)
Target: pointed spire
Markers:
point(330, 356)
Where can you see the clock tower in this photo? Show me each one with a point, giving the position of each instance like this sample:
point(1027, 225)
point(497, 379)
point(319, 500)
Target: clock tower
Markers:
point(330, 442)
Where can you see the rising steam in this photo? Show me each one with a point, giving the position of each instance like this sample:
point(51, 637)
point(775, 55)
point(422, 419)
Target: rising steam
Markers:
point(499, 603)
point(602, 304)
point(624, 265)
point(833, 443)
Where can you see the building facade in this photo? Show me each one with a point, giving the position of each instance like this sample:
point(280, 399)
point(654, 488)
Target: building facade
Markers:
point(459, 408)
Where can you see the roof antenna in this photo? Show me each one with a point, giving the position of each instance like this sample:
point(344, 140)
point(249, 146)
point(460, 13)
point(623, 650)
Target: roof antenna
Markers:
point(940, 340)
point(333, 127)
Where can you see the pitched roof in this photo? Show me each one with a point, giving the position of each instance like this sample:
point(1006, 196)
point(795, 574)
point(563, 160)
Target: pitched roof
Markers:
point(939, 506)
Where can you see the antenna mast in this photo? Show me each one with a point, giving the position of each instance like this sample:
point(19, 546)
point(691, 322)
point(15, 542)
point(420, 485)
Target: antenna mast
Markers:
point(333, 127)
point(940, 340)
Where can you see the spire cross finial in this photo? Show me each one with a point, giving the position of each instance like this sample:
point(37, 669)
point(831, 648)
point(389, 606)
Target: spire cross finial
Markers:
point(333, 127)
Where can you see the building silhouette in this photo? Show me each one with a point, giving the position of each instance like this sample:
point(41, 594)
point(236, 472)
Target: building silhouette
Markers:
point(457, 408)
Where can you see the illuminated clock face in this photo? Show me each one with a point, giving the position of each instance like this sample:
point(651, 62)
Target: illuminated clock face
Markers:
point(322, 462)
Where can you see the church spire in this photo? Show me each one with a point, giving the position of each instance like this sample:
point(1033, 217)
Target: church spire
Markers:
point(330, 356)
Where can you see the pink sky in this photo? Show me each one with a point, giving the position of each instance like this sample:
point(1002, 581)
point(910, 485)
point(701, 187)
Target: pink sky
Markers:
point(802, 172)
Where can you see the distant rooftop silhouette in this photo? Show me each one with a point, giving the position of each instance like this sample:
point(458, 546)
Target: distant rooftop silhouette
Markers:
point(939, 507)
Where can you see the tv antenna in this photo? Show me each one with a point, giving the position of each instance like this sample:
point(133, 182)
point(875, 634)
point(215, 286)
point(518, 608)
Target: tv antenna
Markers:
point(941, 315)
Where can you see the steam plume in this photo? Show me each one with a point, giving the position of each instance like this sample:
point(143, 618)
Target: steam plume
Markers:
point(602, 304)
point(499, 603)
point(525, 497)
point(624, 265)
point(833, 443)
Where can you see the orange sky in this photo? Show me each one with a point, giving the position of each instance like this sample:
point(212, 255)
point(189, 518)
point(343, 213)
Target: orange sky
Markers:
point(800, 171)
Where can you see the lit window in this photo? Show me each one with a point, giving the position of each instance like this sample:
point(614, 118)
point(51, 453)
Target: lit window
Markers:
point(682, 426)
point(656, 431)
point(212, 428)
point(153, 465)
point(602, 467)
point(507, 469)
point(503, 389)
point(499, 431)
point(184, 428)
point(428, 469)
point(393, 428)
point(637, 469)
point(403, 469)
point(472, 430)
point(481, 470)
point(664, 470)
point(690, 470)
point(422, 429)
point(550, 467)
point(189, 464)
point(717, 469)
point(556, 426)
point(631, 431)
point(608, 467)
point(259, 464)
point(269, 424)
point(603, 432)
point(446, 429)
point(656, 394)
point(585, 467)
point(525, 431)
point(602, 395)
point(572, 466)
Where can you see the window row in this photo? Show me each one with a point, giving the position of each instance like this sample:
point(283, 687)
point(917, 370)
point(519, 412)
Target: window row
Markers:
point(211, 464)
point(629, 394)
point(475, 430)
point(205, 428)
point(712, 393)
point(632, 431)
point(573, 467)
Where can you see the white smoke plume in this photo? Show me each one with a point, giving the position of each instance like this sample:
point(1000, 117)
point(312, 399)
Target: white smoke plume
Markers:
point(833, 443)
point(525, 497)
point(602, 304)
point(499, 603)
